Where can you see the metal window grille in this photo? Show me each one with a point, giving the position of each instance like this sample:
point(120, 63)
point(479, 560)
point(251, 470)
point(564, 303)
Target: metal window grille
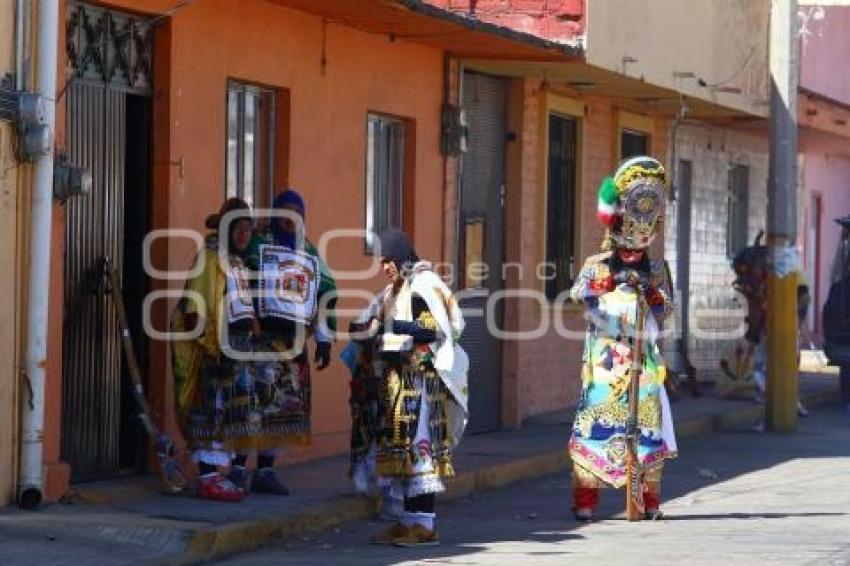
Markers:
point(250, 143)
point(737, 219)
point(633, 143)
point(384, 175)
point(561, 204)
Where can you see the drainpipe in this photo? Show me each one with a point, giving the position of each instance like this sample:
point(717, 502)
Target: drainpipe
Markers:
point(31, 478)
point(19, 44)
point(683, 250)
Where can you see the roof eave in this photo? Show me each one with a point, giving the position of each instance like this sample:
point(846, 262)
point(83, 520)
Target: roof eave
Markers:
point(473, 24)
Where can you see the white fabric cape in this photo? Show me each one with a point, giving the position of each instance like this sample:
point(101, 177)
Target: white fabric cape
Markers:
point(450, 360)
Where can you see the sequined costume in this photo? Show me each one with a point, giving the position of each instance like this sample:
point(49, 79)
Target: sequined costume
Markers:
point(597, 446)
point(420, 414)
point(226, 402)
point(609, 284)
point(360, 355)
point(423, 392)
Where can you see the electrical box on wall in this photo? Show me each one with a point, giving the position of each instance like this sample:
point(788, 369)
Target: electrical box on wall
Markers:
point(27, 111)
point(453, 130)
point(36, 137)
point(69, 180)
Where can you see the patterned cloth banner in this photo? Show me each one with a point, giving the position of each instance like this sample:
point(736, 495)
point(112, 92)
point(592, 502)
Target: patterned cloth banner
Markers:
point(289, 284)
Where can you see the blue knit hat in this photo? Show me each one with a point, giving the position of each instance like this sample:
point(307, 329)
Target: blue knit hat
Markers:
point(287, 199)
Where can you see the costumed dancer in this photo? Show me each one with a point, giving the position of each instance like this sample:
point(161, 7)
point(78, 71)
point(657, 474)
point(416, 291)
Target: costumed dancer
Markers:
point(630, 206)
point(751, 273)
point(361, 356)
point(215, 395)
point(804, 301)
point(297, 300)
point(423, 388)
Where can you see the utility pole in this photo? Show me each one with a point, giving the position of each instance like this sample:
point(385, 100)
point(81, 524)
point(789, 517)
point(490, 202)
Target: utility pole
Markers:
point(782, 378)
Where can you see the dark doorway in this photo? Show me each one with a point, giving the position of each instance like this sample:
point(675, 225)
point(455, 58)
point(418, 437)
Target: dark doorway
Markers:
point(482, 241)
point(109, 133)
point(137, 194)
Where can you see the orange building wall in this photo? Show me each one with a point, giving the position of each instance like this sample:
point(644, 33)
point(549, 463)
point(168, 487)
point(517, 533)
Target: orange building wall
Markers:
point(282, 48)
point(196, 51)
point(208, 42)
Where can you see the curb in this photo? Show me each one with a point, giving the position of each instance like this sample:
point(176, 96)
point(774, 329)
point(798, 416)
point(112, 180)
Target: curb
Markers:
point(205, 544)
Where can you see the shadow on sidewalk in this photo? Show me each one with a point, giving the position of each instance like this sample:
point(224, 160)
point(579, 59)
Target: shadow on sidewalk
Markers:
point(133, 520)
point(495, 520)
point(746, 516)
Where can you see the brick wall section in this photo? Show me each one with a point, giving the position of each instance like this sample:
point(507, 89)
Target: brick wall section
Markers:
point(711, 151)
point(524, 371)
point(542, 374)
point(548, 367)
point(557, 20)
point(597, 163)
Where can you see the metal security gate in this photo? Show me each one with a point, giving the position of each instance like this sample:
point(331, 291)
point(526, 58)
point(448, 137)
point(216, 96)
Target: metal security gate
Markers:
point(109, 53)
point(482, 241)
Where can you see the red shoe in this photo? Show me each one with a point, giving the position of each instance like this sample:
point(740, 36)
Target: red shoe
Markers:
point(215, 487)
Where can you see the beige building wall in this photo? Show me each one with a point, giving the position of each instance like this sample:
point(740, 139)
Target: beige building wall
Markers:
point(722, 42)
point(711, 151)
point(13, 178)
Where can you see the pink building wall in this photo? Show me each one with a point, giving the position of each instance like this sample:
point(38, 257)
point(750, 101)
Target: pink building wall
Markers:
point(825, 52)
point(826, 157)
point(827, 177)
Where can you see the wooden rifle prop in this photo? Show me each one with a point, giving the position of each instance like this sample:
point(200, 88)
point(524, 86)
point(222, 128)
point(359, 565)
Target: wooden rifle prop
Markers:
point(635, 509)
point(170, 471)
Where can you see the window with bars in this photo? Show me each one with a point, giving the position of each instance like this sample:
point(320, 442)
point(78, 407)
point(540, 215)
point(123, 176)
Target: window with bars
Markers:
point(737, 219)
point(562, 178)
point(633, 143)
point(385, 142)
point(250, 143)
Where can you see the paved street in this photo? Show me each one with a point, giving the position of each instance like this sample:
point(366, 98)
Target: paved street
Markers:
point(775, 500)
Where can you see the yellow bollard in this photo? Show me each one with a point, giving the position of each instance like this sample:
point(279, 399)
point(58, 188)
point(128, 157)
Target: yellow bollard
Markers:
point(782, 376)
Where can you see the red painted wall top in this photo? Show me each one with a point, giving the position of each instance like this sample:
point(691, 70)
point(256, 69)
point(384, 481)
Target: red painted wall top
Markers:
point(557, 20)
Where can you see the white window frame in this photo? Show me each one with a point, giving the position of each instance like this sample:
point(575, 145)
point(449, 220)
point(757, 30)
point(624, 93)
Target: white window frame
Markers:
point(246, 106)
point(385, 175)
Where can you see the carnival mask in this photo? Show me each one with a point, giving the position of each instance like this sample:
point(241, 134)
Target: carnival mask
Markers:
point(631, 202)
point(640, 209)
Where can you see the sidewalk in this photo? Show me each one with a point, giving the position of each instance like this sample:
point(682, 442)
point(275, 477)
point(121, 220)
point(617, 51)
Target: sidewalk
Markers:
point(134, 523)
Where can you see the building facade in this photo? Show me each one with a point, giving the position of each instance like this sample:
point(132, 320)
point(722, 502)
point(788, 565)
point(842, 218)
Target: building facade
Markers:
point(173, 109)
point(824, 115)
point(482, 128)
point(15, 177)
point(722, 174)
point(686, 82)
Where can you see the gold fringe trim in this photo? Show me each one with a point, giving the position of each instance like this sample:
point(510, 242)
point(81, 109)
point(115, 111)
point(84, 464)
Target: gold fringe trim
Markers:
point(445, 469)
point(391, 467)
point(251, 444)
point(403, 467)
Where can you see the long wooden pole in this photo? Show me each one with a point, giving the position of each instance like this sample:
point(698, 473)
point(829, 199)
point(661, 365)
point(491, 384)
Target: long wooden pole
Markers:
point(173, 477)
point(634, 476)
